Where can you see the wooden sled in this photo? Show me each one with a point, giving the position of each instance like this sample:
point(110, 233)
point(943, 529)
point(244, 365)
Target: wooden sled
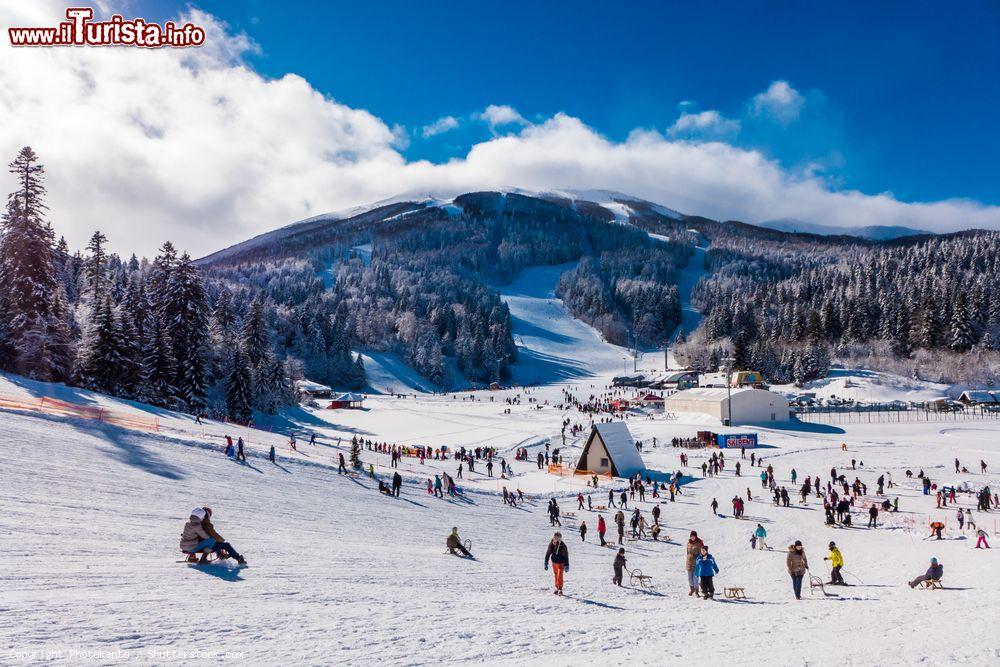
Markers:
point(931, 584)
point(814, 583)
point(640, 580)
point(193, 558)
point(735, 593)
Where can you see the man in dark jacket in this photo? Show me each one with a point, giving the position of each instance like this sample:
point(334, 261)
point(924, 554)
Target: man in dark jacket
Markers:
point(934, 572)
point(559, 555)
point(397, 483)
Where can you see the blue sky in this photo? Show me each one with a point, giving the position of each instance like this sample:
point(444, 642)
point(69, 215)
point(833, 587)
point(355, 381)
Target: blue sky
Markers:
point(902, 96)
point(845, 115)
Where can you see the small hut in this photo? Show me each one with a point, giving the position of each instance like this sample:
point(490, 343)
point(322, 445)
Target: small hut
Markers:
point(611, 449)
point(348, 401)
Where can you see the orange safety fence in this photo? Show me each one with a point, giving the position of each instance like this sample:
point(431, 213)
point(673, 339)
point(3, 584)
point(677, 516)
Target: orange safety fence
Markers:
point(54, 406)
point(563, 471)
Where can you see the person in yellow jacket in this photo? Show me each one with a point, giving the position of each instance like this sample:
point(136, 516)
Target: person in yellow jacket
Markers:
point(836, 562)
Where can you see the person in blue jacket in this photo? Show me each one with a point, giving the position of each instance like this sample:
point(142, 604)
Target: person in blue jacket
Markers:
point(706, 568)
point(760, 534)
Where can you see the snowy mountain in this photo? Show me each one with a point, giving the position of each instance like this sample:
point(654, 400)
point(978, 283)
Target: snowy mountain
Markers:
point(604, 204)
point(873, 232)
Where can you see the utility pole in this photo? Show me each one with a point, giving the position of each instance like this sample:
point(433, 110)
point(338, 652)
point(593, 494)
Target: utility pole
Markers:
point(728, 365)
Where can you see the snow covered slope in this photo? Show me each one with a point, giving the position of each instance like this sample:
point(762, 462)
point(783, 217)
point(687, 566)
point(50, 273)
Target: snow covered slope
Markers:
point(342, 575)
point(552, 344)
point(871, 386)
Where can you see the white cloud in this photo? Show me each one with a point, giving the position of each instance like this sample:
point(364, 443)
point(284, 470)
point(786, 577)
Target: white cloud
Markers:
point(779, 102)
point(499, 115)
point(195, 147)
point(440, 126)
point(704, 125)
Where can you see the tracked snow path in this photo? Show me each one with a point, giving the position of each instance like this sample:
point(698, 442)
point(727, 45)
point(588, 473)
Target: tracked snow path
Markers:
point(552, 344)
point(690, 316)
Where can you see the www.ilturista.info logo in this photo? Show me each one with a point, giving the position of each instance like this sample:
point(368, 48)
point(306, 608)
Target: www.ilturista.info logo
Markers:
point(81, 30)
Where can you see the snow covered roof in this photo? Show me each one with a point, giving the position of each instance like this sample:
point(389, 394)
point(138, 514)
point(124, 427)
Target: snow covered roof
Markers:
point(981, 396)
point(709, 393)
point(621, 447)
point(311, 387)
point(349, 397)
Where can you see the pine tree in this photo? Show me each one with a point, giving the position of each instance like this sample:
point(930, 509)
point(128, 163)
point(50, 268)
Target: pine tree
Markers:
point(186, 319)
point(96, 268)
point(254, 336)
point(239, 394)
point(28, 279)
point(100, 354)
point(961, 338)
point(160, 366)
point(356, 454)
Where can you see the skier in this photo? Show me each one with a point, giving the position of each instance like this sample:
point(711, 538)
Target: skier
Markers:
point(342, 470)
point(797, 564)
point(602, 528)
point(199, 535)
point(397, 484)
point(240, 455)
point(693, 549)
point(454, 543)
point(937, 528)
point(934, 572)
point(836, 562)
point(618, 566)
point(760, 534)
point(559, 555)
point(873, 516)
point(270, 454)
point(705, 569)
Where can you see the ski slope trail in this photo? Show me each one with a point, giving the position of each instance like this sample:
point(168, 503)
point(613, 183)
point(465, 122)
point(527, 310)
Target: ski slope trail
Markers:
point(553, 345)
point(690, 316)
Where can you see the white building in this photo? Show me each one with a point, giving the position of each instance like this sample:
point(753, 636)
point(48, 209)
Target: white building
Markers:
point(611, 449)
point(748, 405)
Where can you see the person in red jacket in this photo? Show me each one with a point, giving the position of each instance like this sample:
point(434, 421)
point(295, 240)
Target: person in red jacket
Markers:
point(602, 527)
point(558, 553)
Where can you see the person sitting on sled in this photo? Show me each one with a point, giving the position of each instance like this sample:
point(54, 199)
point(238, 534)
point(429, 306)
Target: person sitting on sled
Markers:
point(200, 536)
point(454, 543)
